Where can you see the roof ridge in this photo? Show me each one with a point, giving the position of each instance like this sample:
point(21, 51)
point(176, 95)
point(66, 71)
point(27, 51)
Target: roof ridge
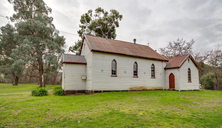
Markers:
point(119, 40)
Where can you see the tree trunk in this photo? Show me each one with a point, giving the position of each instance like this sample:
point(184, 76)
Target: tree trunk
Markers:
point(42, 83)
point(15, 79)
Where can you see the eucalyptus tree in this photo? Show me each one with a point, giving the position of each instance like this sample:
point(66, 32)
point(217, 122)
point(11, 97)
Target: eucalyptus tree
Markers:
point(40, 41)
point(13, 65)
point(99, 23)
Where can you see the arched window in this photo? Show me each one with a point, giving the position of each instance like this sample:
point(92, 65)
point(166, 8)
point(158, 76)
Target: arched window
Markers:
point(152, 71)
point(114, 68)
point(135, 70)
point(189, 75)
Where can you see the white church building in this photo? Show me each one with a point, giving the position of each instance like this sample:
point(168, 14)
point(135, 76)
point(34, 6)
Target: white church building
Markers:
point(114, 65)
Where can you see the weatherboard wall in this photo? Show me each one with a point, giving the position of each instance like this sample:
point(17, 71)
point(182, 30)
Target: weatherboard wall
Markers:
point(194, 84)
point(101, 72)
point(72, 77)
point(88, 56)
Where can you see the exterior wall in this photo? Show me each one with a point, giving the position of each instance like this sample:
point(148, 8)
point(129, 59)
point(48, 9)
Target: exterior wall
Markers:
point(101, 73)
point(88, 56)
point(176, 76)
point(72, 77)
point(194, 84)
point(181, 77)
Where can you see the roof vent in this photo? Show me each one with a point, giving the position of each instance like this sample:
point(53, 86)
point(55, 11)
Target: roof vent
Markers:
point(134, 40)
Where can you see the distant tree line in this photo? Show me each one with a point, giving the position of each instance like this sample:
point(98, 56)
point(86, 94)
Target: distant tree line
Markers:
point(210, 62)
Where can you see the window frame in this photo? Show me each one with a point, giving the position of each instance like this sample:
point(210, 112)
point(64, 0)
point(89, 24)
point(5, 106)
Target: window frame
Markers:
point(154, 70)
point(115, 68)
point(189, 75)
point(136, 70)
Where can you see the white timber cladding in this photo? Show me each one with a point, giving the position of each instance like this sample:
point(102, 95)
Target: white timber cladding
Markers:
point(63, 76)
point(101, 72)
point(88, 56)
point(194, 84)
point(72, 80)
point(176, 77)
point(181, 77)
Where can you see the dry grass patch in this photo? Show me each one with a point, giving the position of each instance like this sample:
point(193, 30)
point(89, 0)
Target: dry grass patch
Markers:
point(138, 88)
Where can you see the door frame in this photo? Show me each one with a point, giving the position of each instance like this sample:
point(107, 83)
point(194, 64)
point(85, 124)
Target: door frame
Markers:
point(171, 81)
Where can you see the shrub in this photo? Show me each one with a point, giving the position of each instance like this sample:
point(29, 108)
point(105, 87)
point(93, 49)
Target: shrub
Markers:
point(39, 92)
point(58, 91)
point(57, 87)
point(208, 80)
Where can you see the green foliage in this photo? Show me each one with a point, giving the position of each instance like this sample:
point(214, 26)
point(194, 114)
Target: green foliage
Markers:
point(114, 109)
point(57, 87)
point(99, 23)
point(212, 80)
point(39, 92)
point(38, 40)
point(75, 47)
point(58, 91)
point(10, 63)
point(208, 80)
point(18, 67)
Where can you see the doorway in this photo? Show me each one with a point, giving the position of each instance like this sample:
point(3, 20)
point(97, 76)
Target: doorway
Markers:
point(171, 81)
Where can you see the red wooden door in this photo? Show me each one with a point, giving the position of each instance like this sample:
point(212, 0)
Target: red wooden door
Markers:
point(172, 81)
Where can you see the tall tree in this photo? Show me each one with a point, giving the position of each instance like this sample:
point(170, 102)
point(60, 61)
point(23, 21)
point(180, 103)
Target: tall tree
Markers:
point(40, 41)
point(99, 23)
point(9, 65)
point(177, 48)
point(214, 60)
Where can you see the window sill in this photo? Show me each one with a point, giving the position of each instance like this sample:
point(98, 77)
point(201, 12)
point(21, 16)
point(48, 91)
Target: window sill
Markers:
point(189, 81)
point(153, 77)
point(113, 75)
point(135, 76)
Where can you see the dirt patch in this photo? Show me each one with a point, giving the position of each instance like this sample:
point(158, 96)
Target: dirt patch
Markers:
point(136, 88)
point(143, 88)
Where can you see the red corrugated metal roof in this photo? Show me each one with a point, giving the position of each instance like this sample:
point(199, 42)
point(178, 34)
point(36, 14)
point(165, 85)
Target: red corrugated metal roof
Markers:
point(178, 61)
point(73, 59)
point(99, 44)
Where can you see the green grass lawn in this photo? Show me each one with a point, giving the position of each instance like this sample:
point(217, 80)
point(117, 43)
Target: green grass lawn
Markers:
point(113, 109)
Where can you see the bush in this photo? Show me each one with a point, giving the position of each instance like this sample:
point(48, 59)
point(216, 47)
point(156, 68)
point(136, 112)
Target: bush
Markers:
point(58, 91)
point(208, 80)
point(39, 92)
point(56, 88)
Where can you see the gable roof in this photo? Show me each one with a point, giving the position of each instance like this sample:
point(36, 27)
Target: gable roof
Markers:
point(178, 61)
point(73, 59)
point(100, 44)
